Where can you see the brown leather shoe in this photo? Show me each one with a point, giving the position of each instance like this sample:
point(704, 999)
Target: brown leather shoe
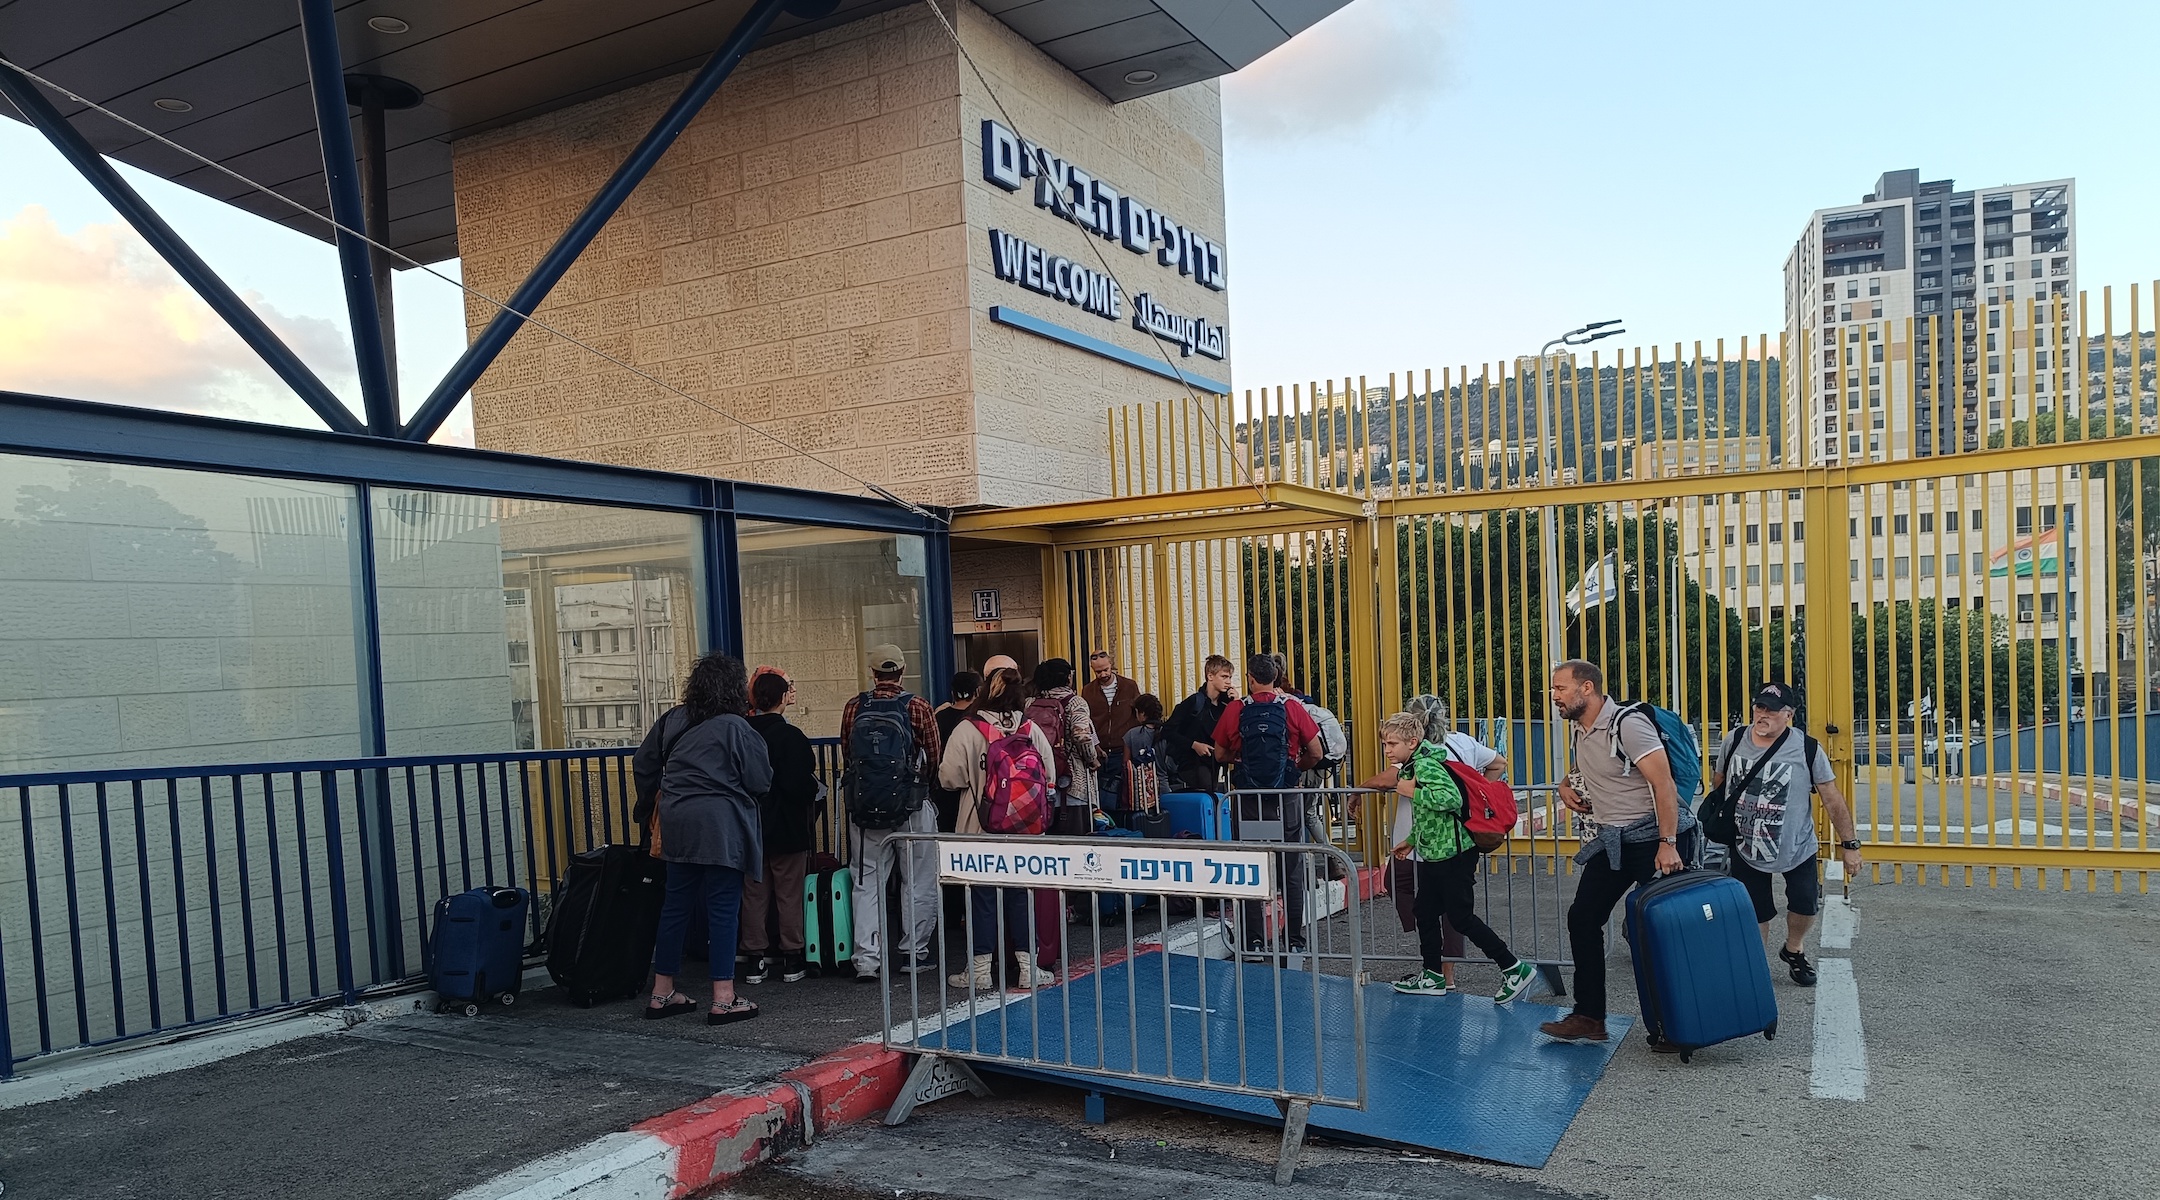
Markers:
point(1575, 1027)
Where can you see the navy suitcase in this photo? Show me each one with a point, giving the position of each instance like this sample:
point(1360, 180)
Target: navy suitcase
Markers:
point(1699, 964)
point(1112, 904)
point(479, 947)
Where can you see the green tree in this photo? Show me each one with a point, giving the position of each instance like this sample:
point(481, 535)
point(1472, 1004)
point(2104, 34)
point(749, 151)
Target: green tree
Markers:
point(1974, 651)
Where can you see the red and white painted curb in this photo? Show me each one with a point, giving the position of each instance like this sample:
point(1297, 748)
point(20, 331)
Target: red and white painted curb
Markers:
point(708, 1143)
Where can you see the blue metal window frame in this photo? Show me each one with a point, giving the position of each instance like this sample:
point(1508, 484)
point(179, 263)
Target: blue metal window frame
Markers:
point(77, 429)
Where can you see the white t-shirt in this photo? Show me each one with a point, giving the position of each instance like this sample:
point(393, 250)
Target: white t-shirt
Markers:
point(1469, 751)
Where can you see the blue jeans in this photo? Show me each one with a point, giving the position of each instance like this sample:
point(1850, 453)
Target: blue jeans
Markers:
point(721, 890)
point(1019, 912)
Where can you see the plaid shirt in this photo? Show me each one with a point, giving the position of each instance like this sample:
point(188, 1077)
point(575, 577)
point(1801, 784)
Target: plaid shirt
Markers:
point(920, 717)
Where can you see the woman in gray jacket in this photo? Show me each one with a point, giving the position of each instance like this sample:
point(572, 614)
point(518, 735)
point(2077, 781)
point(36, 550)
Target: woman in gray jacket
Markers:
point(708, 768)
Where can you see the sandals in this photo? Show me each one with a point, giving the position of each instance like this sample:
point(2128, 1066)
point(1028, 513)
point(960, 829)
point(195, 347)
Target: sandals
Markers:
point(675, 1004)
point(735, 1010)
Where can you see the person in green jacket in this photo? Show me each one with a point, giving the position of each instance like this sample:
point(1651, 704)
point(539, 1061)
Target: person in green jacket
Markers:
point(1447, 862)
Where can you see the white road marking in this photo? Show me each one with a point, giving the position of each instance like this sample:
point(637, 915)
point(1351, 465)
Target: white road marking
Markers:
point(1840, 1069)
point(1837, 923)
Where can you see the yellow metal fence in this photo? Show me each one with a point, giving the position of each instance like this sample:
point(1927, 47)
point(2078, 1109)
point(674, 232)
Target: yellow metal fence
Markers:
point(1944, 531)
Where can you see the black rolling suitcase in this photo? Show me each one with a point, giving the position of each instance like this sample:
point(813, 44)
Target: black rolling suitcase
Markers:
point(600, 934)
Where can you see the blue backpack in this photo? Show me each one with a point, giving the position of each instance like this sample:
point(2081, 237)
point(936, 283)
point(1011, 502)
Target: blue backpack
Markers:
point(1264, 746)
point(1681, 753)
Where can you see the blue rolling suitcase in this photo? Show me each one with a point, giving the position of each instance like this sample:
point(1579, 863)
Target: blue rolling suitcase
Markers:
point(479, 947)
point(1203, 815)
point(1699, 964)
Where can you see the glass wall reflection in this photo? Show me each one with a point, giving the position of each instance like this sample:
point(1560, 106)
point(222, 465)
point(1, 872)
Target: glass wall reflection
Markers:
point(524, 624)
point(814, 600)
point(159, 617)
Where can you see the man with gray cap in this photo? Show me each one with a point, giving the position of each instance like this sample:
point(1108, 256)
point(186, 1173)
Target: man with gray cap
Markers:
point(889, 745)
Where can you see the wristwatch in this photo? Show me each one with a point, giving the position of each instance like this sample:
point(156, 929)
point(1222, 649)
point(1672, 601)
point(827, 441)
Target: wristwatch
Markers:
point(1670, 841)
point(1849, 844)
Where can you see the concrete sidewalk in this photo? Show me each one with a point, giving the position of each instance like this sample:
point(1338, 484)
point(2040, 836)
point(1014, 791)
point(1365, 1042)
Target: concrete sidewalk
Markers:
point(415, 1106)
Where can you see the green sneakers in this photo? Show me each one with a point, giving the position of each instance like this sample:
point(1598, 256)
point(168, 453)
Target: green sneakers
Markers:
point(1515, 981)
point(1424, 983)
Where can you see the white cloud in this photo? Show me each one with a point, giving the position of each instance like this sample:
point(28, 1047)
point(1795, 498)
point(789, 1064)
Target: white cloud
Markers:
point(96, 315)
point(1373, 60)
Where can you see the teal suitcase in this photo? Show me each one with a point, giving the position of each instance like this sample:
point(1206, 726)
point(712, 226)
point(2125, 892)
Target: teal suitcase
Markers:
point(829, 919)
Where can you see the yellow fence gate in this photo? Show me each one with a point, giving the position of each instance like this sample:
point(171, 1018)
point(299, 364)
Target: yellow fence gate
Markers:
point(1942, 531)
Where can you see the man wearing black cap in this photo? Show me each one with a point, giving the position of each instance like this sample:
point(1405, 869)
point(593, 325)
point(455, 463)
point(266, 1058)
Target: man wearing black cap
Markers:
point(1775, 817)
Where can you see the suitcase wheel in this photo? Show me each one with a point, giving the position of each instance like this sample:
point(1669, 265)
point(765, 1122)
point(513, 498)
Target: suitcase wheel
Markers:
point(441, 1007)
point(472, 1009)
point(1769, 1034)
point(508, 999)
point(1687, 1056)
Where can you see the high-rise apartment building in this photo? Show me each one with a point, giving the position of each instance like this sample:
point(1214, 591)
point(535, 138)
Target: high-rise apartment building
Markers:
point(1918, 322)
point(1970, 270)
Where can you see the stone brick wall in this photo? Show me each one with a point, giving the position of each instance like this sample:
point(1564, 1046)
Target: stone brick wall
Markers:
point(794, 260)
point(812, 257)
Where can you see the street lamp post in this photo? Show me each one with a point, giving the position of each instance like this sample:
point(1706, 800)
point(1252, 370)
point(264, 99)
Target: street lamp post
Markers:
point(1548, 523)
point(1549, 435)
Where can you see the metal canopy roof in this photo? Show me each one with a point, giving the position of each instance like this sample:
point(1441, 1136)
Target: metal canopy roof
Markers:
point(479, 64)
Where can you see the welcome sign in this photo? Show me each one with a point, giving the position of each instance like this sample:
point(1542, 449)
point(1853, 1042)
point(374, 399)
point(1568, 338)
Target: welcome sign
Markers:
point(1117, 865)
point(1078, 196)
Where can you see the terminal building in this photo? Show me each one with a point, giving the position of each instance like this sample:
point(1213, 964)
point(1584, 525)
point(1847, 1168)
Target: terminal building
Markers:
point(855, 247)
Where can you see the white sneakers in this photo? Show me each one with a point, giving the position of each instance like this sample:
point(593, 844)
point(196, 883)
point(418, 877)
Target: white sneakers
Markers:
point(981, 974)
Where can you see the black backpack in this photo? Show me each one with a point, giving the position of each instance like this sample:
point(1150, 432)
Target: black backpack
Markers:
point(1264, 745)
point(880, 784)
point(1719, 813)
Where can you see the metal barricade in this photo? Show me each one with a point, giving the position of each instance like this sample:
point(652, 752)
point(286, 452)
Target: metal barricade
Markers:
point(1138, 989)
point(1523, 887)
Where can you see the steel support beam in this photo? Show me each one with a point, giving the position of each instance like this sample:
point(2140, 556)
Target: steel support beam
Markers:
point(222, 300)
point(464, 373)
point(341, 174)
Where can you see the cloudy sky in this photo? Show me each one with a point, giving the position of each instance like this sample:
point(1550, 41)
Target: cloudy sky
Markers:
point(1412, 184)
point(1418, 183)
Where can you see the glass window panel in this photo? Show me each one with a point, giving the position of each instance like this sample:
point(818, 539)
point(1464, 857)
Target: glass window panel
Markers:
point(814, 600)
point(159, 617)
point(512, 624)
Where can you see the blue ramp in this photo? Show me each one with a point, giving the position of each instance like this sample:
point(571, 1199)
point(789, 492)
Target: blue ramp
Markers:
point(1459, 1074)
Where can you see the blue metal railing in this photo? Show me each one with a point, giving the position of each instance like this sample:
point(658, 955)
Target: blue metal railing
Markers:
point(158, 899)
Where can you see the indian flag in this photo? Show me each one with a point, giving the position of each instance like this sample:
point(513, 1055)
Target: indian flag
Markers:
point(2024, 553)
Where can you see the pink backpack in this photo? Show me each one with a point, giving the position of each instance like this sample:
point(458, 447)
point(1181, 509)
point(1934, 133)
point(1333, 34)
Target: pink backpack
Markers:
point(1016, 784)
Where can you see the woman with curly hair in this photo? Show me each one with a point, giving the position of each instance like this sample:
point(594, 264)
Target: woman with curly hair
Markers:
point(700, 773)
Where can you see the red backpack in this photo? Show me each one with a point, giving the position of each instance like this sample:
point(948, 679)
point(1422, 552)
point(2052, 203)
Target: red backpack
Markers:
point(1048, 714)
point(1488, 814)
point(1016, 784)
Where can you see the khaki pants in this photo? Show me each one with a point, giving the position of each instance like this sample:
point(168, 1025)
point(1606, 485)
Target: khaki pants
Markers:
point(781, 887)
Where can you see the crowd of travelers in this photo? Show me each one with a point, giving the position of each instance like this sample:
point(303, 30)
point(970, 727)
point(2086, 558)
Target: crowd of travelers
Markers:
point(730, 791)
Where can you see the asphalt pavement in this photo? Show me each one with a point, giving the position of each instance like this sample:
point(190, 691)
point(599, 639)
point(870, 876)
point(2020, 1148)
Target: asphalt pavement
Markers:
point(2004, 1047)
point(2003, 1054)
